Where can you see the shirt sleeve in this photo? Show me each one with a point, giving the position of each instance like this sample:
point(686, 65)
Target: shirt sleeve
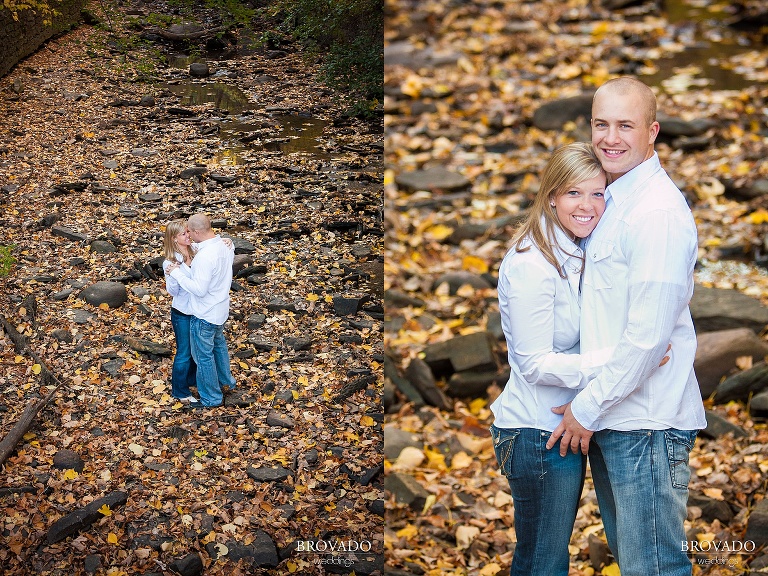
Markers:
point(527, 299)
point(200, 279)
point(171, 285)
point(660, 252)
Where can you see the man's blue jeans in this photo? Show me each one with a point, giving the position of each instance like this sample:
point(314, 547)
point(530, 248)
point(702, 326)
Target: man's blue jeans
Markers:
point(641, 480)
point(184, 369)
point(546, 489)
point(209, 349)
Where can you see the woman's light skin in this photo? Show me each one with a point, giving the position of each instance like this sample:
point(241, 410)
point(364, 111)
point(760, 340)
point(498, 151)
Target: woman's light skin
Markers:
point(579, 208)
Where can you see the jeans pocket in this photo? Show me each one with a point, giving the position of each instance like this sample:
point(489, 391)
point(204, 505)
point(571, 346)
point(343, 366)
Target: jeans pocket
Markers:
point(679, 444)
point(503, 444)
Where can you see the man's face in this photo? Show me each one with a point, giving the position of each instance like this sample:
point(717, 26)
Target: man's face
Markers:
point(194, 235)
point(620, 132)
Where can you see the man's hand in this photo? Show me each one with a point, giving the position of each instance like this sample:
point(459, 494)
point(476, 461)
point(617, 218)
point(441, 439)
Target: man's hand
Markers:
point(573, 434)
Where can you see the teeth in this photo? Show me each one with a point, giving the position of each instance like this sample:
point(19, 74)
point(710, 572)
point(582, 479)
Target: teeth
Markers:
point(583, 218)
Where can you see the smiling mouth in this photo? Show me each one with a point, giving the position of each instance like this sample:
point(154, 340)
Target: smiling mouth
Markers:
point(583, 219)
point(613, 153)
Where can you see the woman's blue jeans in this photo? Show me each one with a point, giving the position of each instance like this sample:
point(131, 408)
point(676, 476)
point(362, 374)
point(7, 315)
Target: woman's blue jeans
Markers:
point(184, 368)
point(641, 481)
point(546, 489)
point(209, 349)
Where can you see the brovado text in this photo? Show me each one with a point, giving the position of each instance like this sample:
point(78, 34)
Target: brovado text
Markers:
point(718, 546)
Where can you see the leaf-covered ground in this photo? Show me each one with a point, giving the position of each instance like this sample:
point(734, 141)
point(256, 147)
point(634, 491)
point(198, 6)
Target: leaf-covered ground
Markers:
point(461, 86)
point(77, 151)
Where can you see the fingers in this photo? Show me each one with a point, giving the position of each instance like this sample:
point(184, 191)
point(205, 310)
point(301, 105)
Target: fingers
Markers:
point(557, 432)
point(565, 443)
point(560, 409)
point(663, 361)
point(669, 346)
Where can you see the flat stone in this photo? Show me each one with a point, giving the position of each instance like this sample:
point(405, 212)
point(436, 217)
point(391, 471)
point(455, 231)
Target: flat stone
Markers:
point(268, 473)
point(432, 179)
point(722, 309)
point(75, 521)
point(113, 294)
point(406, 490)
point(718, 426)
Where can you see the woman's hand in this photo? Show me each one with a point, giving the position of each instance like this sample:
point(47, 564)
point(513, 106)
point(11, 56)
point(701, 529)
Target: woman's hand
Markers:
point(666, 358)
point(171, 267)
point(228, 242)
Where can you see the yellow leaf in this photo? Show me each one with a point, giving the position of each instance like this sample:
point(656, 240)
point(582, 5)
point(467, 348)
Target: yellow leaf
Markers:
point(70, 474)
point(489, 569)
point(291, 567)
point(295, 394)
point(104, 306)
point(112, 538)
point(440, 232)
point(261, 209)
point(474, 264)
point(105, 510)
point(600, 28)
point(18, 359)
point(611, 570)
point(29, 436)
point(435, 459)
point(201, 453)
point(477, 405)
point(313, 297)
point(243, 365)
point(36, 368)
point(303, 380)
point(367, 421)
point(758, 216)
point(714, 493)
point(461, 460)
point(408, 532)
point(328, 298)
point(428, 503)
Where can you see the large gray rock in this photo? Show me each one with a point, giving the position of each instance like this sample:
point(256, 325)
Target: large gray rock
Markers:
point(395, 440)
point(552, 115)
point(757, 524)
point(406, 490)
point(718, 309)
point(420, 375)
point(718, 426)
point(717, 352)
point(112, 293)
point(75, 521)
point(740, 386)
point(432, 179)
point(469, 352)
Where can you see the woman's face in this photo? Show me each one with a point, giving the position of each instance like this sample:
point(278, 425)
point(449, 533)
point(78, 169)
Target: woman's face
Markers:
point(579, 208)
point(182, 238)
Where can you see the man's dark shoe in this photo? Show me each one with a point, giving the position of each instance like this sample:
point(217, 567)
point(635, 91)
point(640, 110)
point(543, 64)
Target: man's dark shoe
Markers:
point(199, 406)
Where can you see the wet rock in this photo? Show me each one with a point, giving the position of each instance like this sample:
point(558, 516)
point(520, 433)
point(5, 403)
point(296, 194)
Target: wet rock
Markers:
point(670, 127)
point(191, 565)
point(491, 228)
point(409, 391)
point(395, 440)
point(349, 305)
point(68, 459)
point(415, 57)
point(150, 197)
point(718, 426)
point(113, 367)
point(432, 179)
point(717, 352)
point(75, 521)
point(62, 294)
point(147, 346)
point(199, 70)
point(553, 115)
point(721, 309)
point(113, 294)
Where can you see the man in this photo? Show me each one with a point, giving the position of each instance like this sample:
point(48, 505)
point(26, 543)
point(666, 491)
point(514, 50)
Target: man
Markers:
point(209, 287)
point(636, 286)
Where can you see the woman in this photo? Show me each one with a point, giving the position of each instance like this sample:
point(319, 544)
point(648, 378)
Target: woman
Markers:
point(178, 248)
point(539, 302)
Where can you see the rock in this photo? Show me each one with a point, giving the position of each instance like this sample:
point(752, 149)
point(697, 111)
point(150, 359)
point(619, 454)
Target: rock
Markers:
point(102, 247)
point(759, 563)
point(492, 228)
point(395, 440)
point(741, 385)
point(470, 352)
point(398, 299)
point(92, 563)
point(349, 305)
point(80, 316)
point(406, 490)
point(718, 309)
point(199, 70)
point(717, 351)
point(711, 509)
point(113, 294)
point(758, 406)
point(432, 179)
point(718, 426)
point(298, 344)
point(473, 384)
point(68, 233)
point(147, 100)
point(148, 347)
point(63, 335)
point(599, 552)
point(456, 280)
point(553, 115)
point(113, 367)
point(191, 565)
point(757, 524)
point(68, 459)
point(195, 172)
point(420, 375)
point(670, 127)
point(75, 521)
point(282, 420)
point(279, 305)
point(256, 321)
point(268, 473)
point(377, 507)
point(391, 372)
point(261, 553)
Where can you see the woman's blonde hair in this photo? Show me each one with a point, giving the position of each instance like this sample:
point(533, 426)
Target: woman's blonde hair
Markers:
point(173, 229)
point(569, 165)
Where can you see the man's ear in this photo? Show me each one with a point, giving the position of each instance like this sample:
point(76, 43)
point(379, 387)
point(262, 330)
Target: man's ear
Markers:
point(654, 132)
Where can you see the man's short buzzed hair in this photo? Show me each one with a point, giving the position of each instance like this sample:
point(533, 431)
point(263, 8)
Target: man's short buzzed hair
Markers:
point(627, 85)
point(199, 221)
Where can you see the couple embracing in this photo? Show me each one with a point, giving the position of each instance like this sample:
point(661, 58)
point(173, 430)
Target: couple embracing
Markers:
point(601, 346)
point(199, 278)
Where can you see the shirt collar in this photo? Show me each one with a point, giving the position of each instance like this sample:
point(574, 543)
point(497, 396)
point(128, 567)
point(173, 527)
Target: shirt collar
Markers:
point(623, 187)
point(564, 248)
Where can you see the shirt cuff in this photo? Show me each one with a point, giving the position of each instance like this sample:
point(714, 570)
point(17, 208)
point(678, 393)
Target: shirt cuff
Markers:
point(586, 412)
